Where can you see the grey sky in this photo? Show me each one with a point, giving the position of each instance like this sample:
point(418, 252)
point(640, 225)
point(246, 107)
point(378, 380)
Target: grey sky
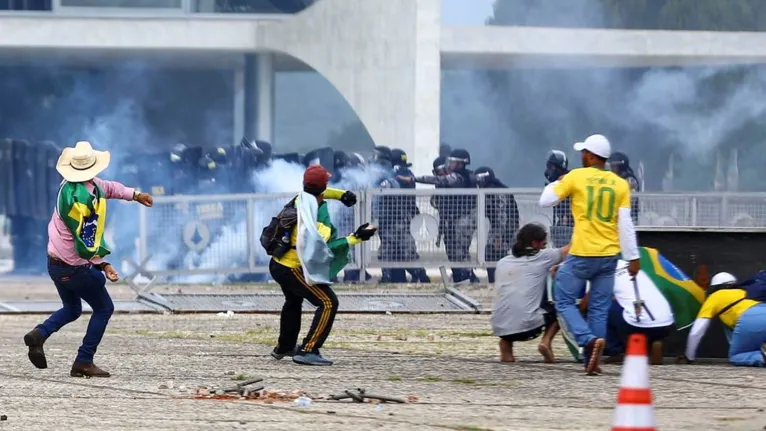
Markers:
point(466, 12)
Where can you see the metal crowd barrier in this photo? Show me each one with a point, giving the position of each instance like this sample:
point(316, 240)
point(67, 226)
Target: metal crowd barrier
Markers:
point(184, 236)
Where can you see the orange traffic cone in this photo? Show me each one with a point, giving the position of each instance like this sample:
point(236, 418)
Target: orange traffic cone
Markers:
point(634, 410)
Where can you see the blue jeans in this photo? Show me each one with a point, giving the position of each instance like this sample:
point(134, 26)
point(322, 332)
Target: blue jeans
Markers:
point(74, 284)
point(618, 331)
point(570, 286)
point(748, 337)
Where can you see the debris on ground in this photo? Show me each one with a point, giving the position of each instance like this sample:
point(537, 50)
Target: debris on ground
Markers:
point(247, 390)
point(361, 396)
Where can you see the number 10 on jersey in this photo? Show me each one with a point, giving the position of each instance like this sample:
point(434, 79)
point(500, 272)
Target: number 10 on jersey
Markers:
point(603, 198)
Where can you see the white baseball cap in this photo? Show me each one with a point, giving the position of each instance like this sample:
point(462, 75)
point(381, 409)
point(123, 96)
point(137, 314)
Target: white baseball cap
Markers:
point(596, 144)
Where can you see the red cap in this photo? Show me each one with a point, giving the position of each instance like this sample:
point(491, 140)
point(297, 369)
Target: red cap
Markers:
point(316, 176)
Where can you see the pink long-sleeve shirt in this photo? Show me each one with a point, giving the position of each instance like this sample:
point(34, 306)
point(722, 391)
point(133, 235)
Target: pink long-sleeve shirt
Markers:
point(61, 241)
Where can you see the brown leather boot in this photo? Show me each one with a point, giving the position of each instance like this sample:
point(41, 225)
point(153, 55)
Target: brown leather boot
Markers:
point(80, 369)
point(35, 340)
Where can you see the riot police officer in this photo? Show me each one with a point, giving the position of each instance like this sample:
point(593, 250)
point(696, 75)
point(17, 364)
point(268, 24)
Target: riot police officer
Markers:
point(503, 214)
point(620, 165)
point(557, 165)
point(395, 233)
point(385, 207)
point(458, 212)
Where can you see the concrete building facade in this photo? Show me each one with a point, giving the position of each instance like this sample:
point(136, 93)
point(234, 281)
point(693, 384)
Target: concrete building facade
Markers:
point(383, 56)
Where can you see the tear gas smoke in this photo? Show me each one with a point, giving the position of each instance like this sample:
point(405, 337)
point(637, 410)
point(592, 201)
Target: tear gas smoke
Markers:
point(510, 119)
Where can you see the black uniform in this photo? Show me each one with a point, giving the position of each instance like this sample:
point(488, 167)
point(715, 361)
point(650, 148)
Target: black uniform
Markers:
point(556, 166)
point(396, 241)
point(387, 211)
point(503, 214)
point(457, 212)
point(620, 165)
point(563, 222)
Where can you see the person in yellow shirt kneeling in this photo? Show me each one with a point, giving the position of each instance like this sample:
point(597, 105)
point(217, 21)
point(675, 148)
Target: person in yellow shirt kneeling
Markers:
point(744, 319)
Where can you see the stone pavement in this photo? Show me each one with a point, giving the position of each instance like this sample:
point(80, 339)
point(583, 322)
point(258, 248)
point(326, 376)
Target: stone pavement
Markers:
point(447, 362)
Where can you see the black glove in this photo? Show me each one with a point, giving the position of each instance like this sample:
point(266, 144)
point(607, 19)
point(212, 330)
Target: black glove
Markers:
point(364, 232)
point(348, 199)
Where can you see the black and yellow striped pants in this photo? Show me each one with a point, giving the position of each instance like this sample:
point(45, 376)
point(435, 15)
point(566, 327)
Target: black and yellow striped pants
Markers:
point(296, 289)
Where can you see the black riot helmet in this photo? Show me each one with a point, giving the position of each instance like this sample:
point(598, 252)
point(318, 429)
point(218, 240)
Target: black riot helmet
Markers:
point(340, 160)
point(444, 150)
point(619, 163)
point(556, 165)
point(399, 158)
point(484, 176)
point(381, 154)
point(440, 165)
point(458, 159)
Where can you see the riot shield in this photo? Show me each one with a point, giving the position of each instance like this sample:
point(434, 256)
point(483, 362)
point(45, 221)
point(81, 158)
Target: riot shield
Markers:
point(6, 177)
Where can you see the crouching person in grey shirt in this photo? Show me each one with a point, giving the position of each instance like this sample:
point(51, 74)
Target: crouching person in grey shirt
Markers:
point(522, 311)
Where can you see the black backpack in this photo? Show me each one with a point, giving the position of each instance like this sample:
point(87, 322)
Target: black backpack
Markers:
point(275, 238)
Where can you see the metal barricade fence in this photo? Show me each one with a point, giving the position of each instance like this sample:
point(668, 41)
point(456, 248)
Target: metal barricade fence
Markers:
point(183, 236)
point(418, 228)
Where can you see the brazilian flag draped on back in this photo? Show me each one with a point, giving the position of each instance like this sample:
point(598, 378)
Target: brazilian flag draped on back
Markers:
point(683, 294)
point(85, 217)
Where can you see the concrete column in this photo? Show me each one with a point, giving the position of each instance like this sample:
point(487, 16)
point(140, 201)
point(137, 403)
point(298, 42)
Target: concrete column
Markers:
point(383, 56)
point(265, 91)
point(239, 104)
point(259, 96)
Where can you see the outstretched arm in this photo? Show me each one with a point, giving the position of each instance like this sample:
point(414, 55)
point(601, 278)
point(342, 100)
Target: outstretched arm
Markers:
point(450, 180)
point(115, 190)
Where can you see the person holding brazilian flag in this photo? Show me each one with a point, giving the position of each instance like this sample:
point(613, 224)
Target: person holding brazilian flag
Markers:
point(314, 256)
point(76, 252)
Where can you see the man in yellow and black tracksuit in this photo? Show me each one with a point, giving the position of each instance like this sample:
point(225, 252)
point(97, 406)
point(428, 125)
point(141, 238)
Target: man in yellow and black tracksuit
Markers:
point(288, 272)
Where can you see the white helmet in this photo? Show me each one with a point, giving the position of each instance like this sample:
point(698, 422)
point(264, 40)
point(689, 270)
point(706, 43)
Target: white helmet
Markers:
point(723, 278)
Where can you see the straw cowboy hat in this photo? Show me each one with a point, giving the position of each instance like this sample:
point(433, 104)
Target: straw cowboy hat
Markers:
point(82, 163)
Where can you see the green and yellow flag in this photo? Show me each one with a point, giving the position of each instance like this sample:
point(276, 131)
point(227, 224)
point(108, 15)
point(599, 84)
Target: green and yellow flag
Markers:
point(85, 217)
point(682, 293)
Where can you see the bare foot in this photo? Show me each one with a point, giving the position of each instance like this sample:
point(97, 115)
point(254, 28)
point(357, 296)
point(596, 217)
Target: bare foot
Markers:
point(547, 353)
point(506, 351)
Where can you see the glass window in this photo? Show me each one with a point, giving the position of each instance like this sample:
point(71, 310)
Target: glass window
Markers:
point(143, 4)
point(254, 6)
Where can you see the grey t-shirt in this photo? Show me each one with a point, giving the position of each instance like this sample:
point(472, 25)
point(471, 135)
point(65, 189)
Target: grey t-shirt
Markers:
point(520, 284)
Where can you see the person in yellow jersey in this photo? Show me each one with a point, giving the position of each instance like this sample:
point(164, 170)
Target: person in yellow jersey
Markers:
point(600, 202)
point(744, 319)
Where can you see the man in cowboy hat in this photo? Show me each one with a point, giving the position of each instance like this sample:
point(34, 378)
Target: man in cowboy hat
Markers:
point(76, 252)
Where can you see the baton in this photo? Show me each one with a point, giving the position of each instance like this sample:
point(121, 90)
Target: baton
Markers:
point(639, 303)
